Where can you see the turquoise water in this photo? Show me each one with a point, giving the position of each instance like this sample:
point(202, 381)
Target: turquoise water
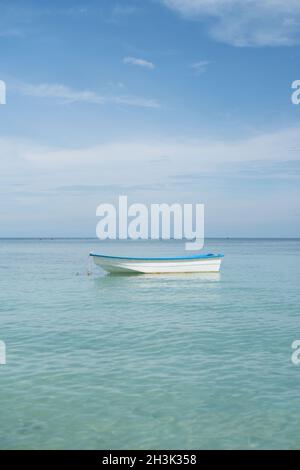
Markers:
point(179, 361)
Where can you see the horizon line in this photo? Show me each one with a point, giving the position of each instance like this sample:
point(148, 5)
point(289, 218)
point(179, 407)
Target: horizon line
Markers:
point(149, 239)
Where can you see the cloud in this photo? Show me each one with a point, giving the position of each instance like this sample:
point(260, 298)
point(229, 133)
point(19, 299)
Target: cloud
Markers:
point(153, 161)
point(50, 186)
point(139, 62)
point(247, 170)
point(69, 95)
point(245, 23)
point(109, 188)
point(124, 10)
point(120, 12)
point(11, 33)
point(287, 169)
point(200, 67)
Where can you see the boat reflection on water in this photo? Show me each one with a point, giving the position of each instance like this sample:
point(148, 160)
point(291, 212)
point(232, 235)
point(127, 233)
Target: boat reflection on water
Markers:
point(184, 276)
point(153, 278)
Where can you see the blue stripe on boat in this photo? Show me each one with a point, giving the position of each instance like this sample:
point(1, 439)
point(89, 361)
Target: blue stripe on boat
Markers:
point(209, 255)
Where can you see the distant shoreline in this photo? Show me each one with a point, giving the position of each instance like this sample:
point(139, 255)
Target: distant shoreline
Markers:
point(149, 240)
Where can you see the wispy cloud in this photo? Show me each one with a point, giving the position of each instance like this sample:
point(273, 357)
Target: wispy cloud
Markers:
point(139, 62)
point(11, 33)
point(110, 188)
point(69, 95)
point(200, 66)
point(277, 150)
point(18, 20)
point(246, 22)
point(265, 166)
point(120, 12)
point(123, 10)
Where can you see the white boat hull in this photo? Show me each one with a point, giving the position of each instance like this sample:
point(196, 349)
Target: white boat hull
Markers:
point(208, 264)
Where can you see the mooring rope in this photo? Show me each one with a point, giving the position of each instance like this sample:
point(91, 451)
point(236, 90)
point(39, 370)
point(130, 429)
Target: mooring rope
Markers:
point(89, 271)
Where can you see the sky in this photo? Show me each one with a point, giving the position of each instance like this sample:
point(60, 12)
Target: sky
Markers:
point(160, 100)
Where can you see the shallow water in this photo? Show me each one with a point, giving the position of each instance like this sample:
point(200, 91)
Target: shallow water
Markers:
point(149, 362)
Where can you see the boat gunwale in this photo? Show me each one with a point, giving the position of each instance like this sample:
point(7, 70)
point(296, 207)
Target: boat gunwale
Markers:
point(174, 258)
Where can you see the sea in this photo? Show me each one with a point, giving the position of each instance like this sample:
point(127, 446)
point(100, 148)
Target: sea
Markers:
point(179, 361)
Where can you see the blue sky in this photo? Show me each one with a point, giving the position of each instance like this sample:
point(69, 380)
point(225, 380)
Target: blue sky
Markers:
point(162, 100)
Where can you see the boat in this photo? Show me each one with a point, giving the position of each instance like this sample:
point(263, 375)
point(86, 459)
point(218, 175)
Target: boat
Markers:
point(199, 263)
